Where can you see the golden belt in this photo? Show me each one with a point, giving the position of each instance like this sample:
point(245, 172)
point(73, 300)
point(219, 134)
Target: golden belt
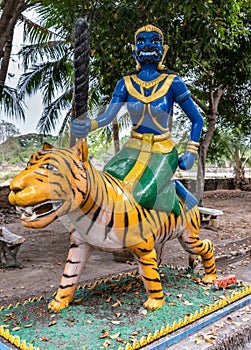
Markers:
point(153, 143)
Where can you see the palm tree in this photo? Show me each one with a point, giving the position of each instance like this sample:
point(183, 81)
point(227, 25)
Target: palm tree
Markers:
point(48, 61)
point(10, 15)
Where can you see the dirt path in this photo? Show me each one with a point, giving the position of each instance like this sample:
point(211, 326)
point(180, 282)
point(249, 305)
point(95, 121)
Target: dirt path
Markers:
point(44, 252)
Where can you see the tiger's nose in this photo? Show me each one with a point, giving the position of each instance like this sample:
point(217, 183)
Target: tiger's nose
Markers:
point(16, 185)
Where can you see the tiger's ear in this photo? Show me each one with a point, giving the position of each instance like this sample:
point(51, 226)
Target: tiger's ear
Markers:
point(82, 149)
point(47, 146)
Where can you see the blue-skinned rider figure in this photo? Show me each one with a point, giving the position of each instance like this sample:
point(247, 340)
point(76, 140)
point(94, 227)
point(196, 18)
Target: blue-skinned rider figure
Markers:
point(148, 160)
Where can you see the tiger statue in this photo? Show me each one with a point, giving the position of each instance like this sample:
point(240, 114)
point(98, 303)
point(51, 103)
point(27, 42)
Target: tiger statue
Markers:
point(104, 215)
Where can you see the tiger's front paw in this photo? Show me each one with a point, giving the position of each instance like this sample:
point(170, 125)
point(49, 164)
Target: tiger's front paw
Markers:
point(56, 305)
point(153, 304)
point(208, 279)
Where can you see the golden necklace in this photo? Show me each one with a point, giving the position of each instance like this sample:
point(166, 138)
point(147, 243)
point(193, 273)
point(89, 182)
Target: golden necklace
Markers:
point(148, 84)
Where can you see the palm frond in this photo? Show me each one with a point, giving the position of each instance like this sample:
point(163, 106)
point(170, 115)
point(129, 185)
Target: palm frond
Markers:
point(58, 20)
point(60, 78)
point(11, 104)
point(50, 50)
point(32, 81)
point(34, 32)
point(48, 77)
point(53, 112)
point(65, 123)
point(124, 121)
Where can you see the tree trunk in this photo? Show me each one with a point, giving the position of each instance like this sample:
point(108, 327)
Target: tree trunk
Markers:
point(5, 61)
point(202, 158)
point(72, 138)
point(212, 114)
point(239, 171)
point(115, 131)
point(12, 10)
point(170, 121)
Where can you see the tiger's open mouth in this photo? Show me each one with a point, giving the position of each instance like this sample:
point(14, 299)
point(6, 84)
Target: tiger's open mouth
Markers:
point(32, 213)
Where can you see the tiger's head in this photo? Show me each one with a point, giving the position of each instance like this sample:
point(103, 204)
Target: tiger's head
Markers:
point(52, 184)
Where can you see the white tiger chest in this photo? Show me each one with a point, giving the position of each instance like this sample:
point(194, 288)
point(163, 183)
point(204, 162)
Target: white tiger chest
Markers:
point(96, 234)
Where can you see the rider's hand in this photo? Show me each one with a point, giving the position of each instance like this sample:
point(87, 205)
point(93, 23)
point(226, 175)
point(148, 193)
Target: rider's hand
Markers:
point(186, 161)
point(80, 128)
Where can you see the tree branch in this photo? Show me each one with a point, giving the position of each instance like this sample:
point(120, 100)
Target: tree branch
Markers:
point(200, 104)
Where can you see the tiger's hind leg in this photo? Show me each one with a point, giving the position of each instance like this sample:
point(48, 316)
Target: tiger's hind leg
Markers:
point(148, 269)
point(191, 242)
point(77, 258)
point(193, 260)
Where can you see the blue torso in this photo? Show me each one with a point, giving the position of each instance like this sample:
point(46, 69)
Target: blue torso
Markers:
point(160, 108)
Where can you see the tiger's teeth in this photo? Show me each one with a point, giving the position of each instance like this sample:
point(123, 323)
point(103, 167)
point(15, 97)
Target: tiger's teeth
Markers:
point(29, 218)
point(28, 210)
point(32, 213)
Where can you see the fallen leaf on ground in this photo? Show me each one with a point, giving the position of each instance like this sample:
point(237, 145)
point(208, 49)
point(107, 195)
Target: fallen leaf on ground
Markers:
point(78, 301)
point(106, 344)
point(219, 325)
point(44, 339)
point(115, 322)
point(121, 340)
point(143, 312)
point(245, 319)
point(208, 340)
point(104, 335)
point(117, 303)
point(115, 336)
point(28, 325)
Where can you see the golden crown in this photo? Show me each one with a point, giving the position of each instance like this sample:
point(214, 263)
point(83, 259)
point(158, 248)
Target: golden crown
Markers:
point(149, 28)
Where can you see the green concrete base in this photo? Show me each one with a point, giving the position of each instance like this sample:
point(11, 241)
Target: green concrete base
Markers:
point(109, 313)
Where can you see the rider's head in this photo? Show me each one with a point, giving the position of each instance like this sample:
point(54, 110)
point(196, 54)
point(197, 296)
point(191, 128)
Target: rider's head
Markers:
point(149, 46)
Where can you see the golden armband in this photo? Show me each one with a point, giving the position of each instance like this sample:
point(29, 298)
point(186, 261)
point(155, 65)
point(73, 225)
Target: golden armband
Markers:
point(192, 147)
point(94, 124)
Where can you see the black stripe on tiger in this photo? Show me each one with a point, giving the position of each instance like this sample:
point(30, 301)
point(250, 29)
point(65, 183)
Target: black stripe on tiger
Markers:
point(109, 227)
point(155, 291)
point(156, 280)
point(67, 286)
point(69, 276)
point(126, 221)
point(95, 216)
point(69, 261)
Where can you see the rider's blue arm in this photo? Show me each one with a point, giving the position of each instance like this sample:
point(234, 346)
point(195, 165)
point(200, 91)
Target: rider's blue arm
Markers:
point(81, 127)
point(183, 97)
point(119, 96)
point(196, 118)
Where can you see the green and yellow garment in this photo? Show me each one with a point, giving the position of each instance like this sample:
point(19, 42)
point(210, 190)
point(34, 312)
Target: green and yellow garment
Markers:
point(146, 164)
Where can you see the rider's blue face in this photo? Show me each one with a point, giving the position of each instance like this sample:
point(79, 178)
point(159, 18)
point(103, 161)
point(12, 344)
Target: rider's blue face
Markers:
point(149, 48)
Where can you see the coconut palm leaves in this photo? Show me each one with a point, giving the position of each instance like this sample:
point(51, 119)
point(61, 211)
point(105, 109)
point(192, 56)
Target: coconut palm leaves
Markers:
point(11, 104)
point(48, 62)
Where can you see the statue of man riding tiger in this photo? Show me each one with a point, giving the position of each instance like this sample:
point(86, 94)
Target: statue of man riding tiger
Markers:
point(133, 204)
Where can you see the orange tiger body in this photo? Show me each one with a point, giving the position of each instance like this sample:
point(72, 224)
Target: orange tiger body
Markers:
point(104, 215)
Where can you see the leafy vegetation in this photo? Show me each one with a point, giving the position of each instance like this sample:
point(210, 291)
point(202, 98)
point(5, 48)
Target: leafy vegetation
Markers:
point(20, 148)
